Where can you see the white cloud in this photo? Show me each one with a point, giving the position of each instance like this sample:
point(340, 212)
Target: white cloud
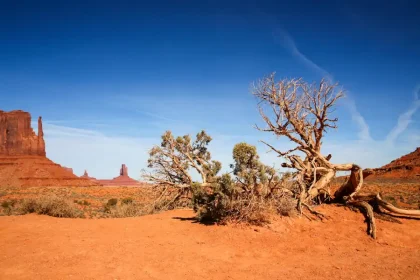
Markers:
point(363, 133)
point(290, 45)
point(287, 41)
point(101, 155)
point(405, 118)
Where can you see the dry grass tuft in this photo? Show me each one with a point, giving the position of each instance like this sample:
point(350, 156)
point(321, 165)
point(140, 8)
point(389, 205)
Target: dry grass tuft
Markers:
point(50, 205)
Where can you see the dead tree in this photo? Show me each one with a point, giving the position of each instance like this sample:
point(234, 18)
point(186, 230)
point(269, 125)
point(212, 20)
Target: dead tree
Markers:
point(302, 113)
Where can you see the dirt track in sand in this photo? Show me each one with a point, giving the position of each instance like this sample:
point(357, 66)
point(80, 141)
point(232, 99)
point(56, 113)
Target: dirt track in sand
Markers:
point(172, 246)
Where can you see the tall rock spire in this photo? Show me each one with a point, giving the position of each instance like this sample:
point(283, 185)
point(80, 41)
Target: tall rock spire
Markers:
point(124, 170)
point(41, 142)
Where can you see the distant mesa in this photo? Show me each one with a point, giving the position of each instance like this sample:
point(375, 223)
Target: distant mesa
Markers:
point(122, 180)
point(23, 160)
point(86, 176)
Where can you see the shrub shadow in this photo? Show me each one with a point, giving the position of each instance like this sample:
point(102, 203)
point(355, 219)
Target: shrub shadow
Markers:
point(194, 220)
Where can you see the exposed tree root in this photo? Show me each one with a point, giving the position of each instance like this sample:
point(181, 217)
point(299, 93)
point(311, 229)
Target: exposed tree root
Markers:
point(314, 212)
point(300, 112)
point(370, 219)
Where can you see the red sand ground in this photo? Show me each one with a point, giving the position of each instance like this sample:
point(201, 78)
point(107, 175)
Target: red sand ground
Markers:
point(171, 246)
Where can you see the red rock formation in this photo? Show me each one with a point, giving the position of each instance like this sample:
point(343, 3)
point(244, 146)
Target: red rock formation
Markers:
point(31, 171)
point(17, 136)
point(124, 170)
point(86, 176)
point(68, 169)
point(41, 142)
point(23, 160)
point(122, 180)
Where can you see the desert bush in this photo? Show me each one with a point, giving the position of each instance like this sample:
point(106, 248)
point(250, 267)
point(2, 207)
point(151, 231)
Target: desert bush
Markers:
point(50, 205)
point(127, 200)
point(8, 203)
point(112, 202)
point(82, 202)
point(27, 206)
point(8, 206)
point(225, 201)
point(129, 210)
point(285, 205)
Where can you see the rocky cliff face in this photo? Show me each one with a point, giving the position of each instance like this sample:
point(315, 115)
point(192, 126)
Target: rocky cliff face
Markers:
point(17, 136)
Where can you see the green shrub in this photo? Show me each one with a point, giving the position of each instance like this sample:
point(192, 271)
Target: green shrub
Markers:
point(225, 202)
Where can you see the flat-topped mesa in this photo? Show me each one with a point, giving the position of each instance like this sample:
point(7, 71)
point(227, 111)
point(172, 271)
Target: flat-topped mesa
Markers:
point(17, 136)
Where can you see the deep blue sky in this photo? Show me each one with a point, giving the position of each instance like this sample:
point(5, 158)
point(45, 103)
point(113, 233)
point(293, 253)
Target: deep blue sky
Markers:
point(129, 70)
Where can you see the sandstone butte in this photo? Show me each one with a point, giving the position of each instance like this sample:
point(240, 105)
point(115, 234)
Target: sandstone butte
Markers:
point(23, 160)
point(122, 180)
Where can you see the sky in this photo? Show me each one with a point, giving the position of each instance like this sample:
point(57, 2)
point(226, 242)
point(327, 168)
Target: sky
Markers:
point(109, 77)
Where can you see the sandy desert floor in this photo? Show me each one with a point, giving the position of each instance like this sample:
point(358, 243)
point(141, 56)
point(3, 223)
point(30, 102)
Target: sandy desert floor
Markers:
point(171, 245)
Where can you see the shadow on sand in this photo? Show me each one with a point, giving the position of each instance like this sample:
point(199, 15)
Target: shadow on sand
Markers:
point(194, 220)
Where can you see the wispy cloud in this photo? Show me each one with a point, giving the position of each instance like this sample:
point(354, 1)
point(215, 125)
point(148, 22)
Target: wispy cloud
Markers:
point(101, 155)
point(287, 41)
point(363, 133)
point(365, 151)
point(405, 118)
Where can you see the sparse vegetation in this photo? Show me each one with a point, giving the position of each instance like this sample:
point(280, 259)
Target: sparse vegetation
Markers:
point(82, 202)
point(290, 108)
point(252, 192)
point(127, 200)
point(112, 202)
point(50, 205)
point(252, 196)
